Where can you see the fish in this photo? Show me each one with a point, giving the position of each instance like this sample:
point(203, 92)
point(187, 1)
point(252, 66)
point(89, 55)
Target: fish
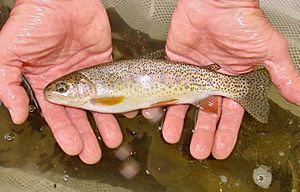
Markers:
point(128, 85)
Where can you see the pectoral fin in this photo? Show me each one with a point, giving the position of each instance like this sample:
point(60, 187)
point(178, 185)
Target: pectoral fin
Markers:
point(107, 100)
point(164, 103)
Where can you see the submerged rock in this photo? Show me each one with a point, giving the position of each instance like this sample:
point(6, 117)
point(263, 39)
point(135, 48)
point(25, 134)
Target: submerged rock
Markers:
point(262, 177)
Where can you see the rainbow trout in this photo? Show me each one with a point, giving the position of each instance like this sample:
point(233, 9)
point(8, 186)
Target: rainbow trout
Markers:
point(127, 85)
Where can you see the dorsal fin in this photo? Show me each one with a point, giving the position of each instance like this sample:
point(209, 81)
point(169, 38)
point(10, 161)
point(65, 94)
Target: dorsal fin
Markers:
point(213, 67)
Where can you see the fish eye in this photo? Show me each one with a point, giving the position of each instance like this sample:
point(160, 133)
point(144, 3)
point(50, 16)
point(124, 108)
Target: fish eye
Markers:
point(61, 87)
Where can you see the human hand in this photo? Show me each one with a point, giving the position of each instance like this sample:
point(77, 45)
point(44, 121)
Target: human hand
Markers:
point(45, 40)
point(236, 36)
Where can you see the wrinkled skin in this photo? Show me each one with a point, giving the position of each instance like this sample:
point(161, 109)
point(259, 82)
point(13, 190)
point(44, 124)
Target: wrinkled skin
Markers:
point(45, 40)
point(237, 36)
point(78, 32)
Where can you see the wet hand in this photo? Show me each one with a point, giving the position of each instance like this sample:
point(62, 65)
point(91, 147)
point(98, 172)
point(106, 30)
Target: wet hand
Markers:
point(45, 40)
point(237, 36)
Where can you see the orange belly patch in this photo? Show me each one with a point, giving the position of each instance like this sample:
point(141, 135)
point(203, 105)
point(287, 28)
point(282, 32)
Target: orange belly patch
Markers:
point(108, 100)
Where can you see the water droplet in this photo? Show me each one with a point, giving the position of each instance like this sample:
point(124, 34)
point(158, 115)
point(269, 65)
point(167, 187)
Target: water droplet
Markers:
point(32, 108)
point(148, 172)
point(9, 136)
point(66, 178)
point(159, 127)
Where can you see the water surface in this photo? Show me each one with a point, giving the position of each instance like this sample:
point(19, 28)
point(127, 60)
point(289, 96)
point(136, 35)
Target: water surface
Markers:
point(30, 150)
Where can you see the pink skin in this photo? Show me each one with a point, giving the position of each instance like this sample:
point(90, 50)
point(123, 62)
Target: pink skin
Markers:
point(45, 40)
point(201, 33)
point(237, 36)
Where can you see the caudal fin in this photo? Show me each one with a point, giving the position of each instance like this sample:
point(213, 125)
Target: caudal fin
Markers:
point(256, 101)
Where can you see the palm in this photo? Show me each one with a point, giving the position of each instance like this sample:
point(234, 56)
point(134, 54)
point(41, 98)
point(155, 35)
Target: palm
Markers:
point(237, 39)
point(48, 41)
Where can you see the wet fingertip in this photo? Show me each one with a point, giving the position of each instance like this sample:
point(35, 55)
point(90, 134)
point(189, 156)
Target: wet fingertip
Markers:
point(70, 143)
point(18, 117)
point(113, 139)
point(220, 155)
point(199, 156)
point(12, 114)
point(170, 137)
point(114, 143)
point(91, 152)
point(199, 151)
point(109, 129)
point(90, 158)
point(223, 146)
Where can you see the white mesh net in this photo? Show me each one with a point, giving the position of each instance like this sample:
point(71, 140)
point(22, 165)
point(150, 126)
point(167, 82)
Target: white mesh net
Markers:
point(17, 180)
point(149, 16)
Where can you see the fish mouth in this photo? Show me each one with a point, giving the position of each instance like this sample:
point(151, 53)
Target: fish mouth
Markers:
point(49, 97)
point(52, 97)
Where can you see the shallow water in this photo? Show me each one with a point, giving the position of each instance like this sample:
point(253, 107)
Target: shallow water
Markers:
point(31, 148)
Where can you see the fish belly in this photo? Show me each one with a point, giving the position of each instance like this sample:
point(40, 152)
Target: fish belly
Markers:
point(131, 104)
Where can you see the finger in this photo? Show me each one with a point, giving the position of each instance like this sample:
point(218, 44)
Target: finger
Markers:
point(283, 72)
point(109, 129)
point(226, 135)
point(61, 126)
point(91, 152)
point(12, 95)
point(153, 114)
point(203, 136)
point(131, 114)
point(173, 123)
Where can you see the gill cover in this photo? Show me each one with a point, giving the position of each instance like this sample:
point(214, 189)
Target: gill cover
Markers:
point(71, 90)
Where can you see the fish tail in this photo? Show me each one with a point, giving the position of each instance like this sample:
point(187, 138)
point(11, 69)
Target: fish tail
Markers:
point(256, 101)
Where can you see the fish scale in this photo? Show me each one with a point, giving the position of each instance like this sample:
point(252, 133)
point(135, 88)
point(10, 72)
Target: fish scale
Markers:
point(127, 85)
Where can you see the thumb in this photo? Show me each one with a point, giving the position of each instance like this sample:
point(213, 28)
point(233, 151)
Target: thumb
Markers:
point(283, 71)
point(12, 95)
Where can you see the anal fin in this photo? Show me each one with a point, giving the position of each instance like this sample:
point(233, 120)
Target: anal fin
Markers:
point(209, 105)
